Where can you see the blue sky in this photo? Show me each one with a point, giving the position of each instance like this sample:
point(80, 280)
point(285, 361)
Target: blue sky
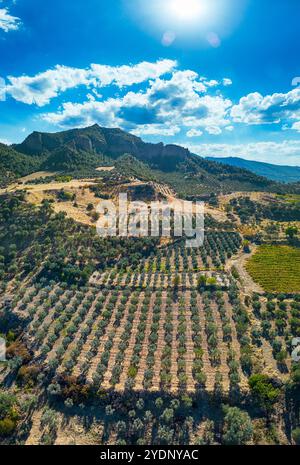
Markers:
point(213, 75)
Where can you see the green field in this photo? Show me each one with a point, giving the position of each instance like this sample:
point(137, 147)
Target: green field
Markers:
point(276, 268)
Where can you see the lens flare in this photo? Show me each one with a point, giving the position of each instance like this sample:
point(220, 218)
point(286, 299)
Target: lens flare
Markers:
point(197, 23)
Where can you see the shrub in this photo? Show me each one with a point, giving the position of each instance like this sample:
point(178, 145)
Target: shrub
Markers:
point(238, 429)
point(7, 427)
point(296, 436)
point(29, 374)
point(264, 391)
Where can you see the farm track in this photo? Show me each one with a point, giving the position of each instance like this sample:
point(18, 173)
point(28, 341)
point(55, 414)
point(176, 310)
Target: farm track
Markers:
point(239, 262)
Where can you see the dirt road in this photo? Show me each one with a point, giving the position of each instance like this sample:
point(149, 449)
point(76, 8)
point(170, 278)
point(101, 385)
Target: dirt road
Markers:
point(239, 262)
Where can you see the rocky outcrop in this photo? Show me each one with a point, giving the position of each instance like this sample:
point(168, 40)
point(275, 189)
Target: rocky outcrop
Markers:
point(103, 141)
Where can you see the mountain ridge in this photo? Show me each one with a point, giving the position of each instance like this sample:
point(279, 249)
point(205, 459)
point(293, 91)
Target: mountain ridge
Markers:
point(91, 147)
point(113, 142)
point(279, 173)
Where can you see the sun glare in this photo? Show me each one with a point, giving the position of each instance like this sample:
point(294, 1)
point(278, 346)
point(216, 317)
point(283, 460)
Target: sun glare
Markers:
point(188, 10)
point(188, 22)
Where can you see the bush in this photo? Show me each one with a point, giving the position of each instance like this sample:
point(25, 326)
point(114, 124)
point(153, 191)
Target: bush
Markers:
point(28, 374)
point(18, 349)
point(7, 403)
point(296, 436)
point(7, 427)
point(264, 391)
point(238, 429)
point(132, 372)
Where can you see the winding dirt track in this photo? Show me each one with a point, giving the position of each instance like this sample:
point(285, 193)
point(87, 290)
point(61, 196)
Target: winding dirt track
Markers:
point(239, 262)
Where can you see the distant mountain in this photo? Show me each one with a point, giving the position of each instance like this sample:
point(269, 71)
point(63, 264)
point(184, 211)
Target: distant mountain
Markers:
point(286, 174)
point(190, 175)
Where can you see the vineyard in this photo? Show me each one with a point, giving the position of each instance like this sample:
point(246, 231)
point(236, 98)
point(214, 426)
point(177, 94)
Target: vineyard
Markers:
point(276, 268)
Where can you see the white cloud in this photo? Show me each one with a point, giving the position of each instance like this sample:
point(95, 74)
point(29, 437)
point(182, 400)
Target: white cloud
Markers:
point(212, 83)
point(278, 108)
point(40, 89)
point(194, 133)
point(281, 153)
point(171, 101)
point(179, 100)
point(296, 126)
point(7, 21)
point(88, 113)
point(213, 130)
point(43, 87)
point(163, 108)
point(227, 82)
point(157, 130)
point(123, 76)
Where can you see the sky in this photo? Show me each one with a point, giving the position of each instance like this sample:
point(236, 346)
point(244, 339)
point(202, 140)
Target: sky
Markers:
point(221, 77)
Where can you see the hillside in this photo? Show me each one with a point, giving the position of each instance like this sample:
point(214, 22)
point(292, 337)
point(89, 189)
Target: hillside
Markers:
point(195, 176)
point(189, 174)
point(14, 164)
point(286, 174)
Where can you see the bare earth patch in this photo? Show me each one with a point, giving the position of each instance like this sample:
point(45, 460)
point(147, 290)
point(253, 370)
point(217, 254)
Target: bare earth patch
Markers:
point(105, 168)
